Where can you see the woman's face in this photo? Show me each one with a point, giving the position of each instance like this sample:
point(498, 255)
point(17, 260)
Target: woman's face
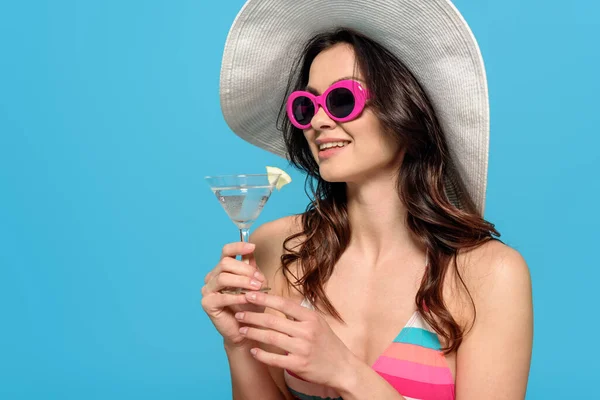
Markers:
point(366, 150)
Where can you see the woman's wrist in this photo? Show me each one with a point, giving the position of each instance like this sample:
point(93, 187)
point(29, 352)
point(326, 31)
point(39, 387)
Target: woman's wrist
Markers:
point(348, 375)
point(357, 380)
point(243, 346)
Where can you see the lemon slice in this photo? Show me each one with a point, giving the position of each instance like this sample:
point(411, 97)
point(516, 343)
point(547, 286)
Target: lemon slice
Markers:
point(278, 177)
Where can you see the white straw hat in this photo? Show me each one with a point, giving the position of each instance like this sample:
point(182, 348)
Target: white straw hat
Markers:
point(429, 36)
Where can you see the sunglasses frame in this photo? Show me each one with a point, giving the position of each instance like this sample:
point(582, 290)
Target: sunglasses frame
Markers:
point(361, 95)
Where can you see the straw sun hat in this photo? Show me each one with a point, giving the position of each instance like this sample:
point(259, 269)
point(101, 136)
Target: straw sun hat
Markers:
point(429, 36)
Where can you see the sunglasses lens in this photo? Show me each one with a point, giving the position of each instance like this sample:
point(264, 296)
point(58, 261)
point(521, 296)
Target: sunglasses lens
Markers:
point(303, 109)
point(340, 102)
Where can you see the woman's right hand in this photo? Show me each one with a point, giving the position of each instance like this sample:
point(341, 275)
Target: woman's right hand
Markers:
point(229, 272)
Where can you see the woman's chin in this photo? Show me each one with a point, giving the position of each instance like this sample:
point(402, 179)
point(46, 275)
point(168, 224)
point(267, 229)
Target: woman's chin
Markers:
point(332, 176)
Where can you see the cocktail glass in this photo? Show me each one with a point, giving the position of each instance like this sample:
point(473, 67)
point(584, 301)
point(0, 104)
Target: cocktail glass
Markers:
point(243, 198)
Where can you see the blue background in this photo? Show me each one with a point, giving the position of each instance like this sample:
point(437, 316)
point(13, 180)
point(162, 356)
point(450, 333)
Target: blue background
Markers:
point(109, 119)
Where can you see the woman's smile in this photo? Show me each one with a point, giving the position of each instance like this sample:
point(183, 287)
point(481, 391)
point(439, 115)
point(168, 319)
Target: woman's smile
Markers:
point(330, 149)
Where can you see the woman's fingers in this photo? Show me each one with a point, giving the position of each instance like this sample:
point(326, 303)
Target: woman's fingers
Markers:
point(249, 259)
point(236, 267)
point(271, 321)
point(283, 305)
point(237, 248)
point(228, 253)
point(273, 338)
point(217, 301)
point(273, 359)
point(240, 248)
point(229, 280)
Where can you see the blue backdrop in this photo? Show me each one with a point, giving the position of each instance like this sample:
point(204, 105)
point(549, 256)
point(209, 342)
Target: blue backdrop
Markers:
point(109, 119)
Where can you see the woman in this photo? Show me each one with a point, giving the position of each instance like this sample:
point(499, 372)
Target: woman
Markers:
point(391, 285)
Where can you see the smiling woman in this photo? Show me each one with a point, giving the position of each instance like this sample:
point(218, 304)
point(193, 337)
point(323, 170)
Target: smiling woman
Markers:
point(391, 285)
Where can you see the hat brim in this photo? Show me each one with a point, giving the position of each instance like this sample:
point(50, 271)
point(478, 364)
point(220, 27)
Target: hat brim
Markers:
point(430, 37)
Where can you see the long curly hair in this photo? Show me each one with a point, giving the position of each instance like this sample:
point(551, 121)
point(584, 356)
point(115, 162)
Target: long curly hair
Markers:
point(441, 216)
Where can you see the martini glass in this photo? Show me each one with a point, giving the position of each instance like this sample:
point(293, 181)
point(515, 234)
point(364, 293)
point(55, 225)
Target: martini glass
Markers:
point(243, 198)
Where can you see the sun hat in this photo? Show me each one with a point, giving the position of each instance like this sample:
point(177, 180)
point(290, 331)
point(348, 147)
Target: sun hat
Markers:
point(430, 37)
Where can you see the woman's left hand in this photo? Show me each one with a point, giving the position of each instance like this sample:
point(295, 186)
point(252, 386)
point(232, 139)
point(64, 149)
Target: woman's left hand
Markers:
point(315, 353)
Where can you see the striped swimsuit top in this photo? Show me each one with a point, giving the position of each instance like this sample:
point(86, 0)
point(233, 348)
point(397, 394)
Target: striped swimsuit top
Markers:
point(413, 364)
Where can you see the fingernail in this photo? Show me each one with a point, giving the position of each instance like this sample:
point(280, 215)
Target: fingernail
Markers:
point(258, 275)
point(249, 246)
point(239, 315)
point(255, 283)
point(243, 330)
point(253, 351)
point(251, 296)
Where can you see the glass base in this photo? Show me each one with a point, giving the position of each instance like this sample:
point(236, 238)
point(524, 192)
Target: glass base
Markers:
point(242, 291)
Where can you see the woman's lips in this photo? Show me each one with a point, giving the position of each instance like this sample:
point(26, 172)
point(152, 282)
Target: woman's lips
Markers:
point(331, 151)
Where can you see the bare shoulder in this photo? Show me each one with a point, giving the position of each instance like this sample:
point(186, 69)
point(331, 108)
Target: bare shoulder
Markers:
point(494, 267)
point(271, 235)
point(496, 275)
point(269, 239)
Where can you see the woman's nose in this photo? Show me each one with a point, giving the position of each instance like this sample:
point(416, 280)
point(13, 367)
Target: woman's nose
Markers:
point(322, 121)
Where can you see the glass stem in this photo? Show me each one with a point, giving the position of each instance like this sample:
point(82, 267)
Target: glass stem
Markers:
point(245, 236)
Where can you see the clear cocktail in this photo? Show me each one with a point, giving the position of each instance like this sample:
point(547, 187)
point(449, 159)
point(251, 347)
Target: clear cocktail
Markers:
point(243, 198)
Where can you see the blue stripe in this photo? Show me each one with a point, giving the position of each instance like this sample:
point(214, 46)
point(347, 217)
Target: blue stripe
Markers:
point(420, 337)
point(303, 396)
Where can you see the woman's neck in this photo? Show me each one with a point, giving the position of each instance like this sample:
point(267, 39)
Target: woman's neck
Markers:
point(377, 217)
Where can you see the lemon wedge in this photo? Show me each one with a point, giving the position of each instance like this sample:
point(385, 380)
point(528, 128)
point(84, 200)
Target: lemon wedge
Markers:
point(278, 177)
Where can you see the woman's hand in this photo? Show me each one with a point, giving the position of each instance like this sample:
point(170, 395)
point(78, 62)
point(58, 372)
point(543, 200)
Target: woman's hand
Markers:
point(230, 272)
point(315, 353)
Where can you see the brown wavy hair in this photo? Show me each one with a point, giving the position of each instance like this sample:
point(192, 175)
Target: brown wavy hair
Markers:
point(442, 226)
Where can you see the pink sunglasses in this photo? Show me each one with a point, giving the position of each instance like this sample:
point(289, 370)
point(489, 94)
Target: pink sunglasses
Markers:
point(343, 101)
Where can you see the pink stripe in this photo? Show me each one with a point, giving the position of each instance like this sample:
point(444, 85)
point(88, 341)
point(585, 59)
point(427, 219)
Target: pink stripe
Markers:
point(420, 390)
point(413, 371)
point(414, 353)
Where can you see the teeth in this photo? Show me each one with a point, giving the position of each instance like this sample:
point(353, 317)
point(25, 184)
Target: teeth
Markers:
point(325, 146)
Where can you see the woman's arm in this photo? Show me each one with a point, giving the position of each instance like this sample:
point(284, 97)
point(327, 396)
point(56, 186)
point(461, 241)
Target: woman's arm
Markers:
point(493, 360)
point(250, 379)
